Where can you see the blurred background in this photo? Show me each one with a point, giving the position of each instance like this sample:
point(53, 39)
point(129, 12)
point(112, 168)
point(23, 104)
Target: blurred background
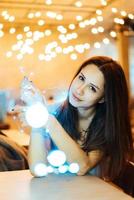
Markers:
point(47, 40)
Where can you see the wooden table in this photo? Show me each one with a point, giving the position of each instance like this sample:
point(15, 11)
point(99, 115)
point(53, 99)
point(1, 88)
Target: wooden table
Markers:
point(20, 185)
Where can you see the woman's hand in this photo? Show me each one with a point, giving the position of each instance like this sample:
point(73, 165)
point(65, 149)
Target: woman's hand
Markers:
point(19, 112)
point(29, 94)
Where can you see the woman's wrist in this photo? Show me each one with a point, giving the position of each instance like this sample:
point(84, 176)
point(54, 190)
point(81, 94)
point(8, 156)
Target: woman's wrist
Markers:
point(40, 131)
point(51, 122)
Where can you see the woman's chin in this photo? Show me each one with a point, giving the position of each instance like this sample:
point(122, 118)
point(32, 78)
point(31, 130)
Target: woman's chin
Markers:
point(73, 103)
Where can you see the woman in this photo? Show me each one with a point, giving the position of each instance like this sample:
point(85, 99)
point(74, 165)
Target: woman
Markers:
point(92, 127)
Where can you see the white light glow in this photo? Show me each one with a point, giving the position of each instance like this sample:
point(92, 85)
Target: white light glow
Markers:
point(104, 2)
point(4, 12)
point(87, 46)
point(47, 32)
point(99, 12)
point(113, 34)
point(93, 21)
point(79, 17)
point(9, 54)
point(73, 168)
point(114, 10)
point(1, 26)
point(94, 30)
point(19, 56)
point(82, 25)
point(40, 170)
point(37, 14)
point(106, 41)
point(123, 13)
point(58, 49)
point(130, 16)
point(97, 45)
point(100, 29)
point(6, 17)
point(11, 18)
point(56, 158)
point(63, 169)
point(73, 56)
point(71, 26)
point(99, 18)
point(19, 37)
point(59, 17)
point(41, 22)
point(1, 33)
point(50, 169)
point(51, 14)
point(49, 2)
point(78, 4)
point(30, 15)
point(36, 115)
point(12, 30)
point(26, 28)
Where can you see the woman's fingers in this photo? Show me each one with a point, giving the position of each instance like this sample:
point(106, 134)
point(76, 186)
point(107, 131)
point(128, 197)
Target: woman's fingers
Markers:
point(18, 109)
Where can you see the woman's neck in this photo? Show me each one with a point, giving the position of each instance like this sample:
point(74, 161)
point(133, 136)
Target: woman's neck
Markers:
point(86, 113)
point(85, 118)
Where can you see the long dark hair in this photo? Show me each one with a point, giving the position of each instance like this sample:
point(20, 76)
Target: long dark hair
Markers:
point(110, 129)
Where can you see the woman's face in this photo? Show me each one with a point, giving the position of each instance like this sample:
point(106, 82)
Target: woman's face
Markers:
point(87, 88)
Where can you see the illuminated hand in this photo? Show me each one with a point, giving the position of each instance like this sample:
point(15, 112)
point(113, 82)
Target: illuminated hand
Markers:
point(29, 94)
point(34, 111)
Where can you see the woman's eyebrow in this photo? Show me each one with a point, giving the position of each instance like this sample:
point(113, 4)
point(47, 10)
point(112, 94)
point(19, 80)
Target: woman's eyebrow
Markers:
point(83, 75)
point(94, 86)
point(90, 83)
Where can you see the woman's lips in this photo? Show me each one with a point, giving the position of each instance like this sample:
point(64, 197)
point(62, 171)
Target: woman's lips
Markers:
point(76, 98)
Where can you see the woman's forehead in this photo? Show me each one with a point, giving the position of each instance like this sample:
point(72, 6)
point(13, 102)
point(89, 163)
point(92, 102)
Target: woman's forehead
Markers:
point(92, 70)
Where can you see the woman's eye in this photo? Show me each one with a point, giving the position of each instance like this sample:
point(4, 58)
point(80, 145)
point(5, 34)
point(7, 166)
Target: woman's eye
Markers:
point(81, 78)
point(92, 88)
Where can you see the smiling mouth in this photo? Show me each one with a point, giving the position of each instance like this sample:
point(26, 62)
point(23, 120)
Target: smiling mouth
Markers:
point(76, 98)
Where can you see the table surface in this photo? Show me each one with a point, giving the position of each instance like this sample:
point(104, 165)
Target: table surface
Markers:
point(20, 185)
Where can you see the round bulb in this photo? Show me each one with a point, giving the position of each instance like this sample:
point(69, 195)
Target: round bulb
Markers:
point(73, 168)
point(40, 169)
point(36, 115)
point(63, 169)
point(56, 158)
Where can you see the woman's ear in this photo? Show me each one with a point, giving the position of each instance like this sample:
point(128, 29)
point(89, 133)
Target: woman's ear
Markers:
point(102, 100)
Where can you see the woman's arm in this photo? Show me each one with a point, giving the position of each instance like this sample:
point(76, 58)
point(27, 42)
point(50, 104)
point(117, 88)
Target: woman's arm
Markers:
point(72, 150)
point(37, 152)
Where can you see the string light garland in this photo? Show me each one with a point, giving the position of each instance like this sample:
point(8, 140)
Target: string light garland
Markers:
point(66, 33)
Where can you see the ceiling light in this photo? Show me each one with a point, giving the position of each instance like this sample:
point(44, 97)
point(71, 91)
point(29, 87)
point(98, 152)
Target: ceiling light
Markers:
point(12, 30)
point(99, 12)
point(30, 15)
point(113, 34)
point(41, 22)
point(71, 26)
point(1, 33)
point(79, 17)
point(78, 3)
point(49, 2)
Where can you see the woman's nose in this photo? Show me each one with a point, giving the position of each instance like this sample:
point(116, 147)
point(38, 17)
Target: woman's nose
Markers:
point(80, 89)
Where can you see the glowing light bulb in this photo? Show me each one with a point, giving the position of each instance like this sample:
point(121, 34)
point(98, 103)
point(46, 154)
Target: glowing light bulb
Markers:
point(73, 168)
point(36, 115)
point(56, 158)
point(50, 169)
point(113, 34)
point(63, 169)
point(40, 169)
point(78, 4)
point(12, 30)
